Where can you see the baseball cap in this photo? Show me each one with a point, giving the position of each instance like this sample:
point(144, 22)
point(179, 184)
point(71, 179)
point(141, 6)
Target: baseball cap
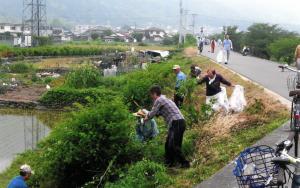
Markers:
point(176, 67)
point(26, 168)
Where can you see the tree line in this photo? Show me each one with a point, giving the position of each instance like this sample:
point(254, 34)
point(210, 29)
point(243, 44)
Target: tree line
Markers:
point(264, 40)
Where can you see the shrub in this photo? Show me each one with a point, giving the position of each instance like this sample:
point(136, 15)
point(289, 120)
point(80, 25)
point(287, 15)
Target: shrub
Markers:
point(283, 49)
point(83, 77)
point(84, 145)
point(144, 174)
point(20, 68)
point(62, 97)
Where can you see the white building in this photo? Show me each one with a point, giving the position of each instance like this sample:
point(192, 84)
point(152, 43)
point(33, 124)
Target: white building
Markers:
point(10, 28)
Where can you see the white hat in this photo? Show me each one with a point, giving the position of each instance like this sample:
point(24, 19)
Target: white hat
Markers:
point(26, 168)
point(176, 67)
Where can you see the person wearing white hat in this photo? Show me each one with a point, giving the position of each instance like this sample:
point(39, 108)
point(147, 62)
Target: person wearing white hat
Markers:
point(180, 78)
point(145, 130)
point(20, 181)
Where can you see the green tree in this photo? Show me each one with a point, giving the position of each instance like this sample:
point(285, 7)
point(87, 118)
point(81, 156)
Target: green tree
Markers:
point(283, 49)
point(138, 36)
point(107, 32)
point(171, 40)
point(259, 36)
point(95, 36)
point(236, 36)
point(190, 40)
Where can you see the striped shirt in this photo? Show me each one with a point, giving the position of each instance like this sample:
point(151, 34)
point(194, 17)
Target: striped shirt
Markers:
point(167, 109)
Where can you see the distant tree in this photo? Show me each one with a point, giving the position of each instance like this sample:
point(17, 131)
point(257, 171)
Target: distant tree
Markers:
point(283, 49)
point(95, 36)
point(60, 23)
point(190, 40)
point(42, 41)
point(107, 32)
point(236, 36)
point(171, 40)
point(259, 36)
point(138, 36)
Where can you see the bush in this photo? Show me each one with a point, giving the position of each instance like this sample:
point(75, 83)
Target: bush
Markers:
point(283, 49)
point(83, 77)
point(62, 97)
point(20, 68)
point(144, 174)
point(84, 145)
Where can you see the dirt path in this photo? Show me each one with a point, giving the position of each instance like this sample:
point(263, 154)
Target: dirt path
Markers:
point(24, 94)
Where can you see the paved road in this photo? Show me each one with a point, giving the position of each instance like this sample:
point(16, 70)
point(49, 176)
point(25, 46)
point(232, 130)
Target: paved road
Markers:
point(267, 74)
point(259, 70)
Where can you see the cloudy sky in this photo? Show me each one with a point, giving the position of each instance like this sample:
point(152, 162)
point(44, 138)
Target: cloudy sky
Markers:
point(214, 13)
point(276, 11)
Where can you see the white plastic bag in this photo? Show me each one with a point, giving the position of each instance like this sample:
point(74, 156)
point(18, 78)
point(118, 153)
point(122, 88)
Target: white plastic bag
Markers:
point(220, 56)
point(219, 101)
point(237, 101)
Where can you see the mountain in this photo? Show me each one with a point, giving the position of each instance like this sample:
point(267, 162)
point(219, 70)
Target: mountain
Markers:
point(214, 13)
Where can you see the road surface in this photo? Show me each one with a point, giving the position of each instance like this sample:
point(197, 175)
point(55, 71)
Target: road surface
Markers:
point(267, 74)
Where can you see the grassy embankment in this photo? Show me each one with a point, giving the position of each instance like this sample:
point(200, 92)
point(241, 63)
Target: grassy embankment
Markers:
point(210, 142)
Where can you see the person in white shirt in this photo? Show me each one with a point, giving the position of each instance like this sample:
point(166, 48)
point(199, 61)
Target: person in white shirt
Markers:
point(227, 44)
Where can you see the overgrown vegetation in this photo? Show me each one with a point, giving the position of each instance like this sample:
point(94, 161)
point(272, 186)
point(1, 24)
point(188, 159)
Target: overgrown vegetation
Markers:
point(96, 146)
point(59, 50)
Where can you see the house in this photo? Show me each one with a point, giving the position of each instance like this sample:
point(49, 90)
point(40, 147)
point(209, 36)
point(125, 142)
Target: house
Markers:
point(61, 35)
point(154, 34)
point(10, 34)
point(10, 28)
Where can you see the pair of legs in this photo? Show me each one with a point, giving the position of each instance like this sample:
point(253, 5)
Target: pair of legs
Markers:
point(227, 56)
point(212, 49)
point(173, 144)
point(178, 100)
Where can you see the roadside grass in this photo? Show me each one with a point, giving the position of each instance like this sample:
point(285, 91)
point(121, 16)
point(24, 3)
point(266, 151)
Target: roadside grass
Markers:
point(210, 145)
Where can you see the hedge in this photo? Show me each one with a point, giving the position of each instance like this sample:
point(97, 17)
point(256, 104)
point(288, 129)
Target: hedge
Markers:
point(62, 97)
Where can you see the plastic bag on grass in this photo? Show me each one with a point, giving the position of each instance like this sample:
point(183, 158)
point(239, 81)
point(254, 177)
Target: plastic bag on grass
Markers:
point(220, 56)
point(219, 101)
point(237, 101)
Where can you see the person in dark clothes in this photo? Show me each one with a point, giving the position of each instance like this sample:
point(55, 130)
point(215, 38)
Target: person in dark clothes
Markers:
point(195, 71)
point(213, 85)
point(176, 126)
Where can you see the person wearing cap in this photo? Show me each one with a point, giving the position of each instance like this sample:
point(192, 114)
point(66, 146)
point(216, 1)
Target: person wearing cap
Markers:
point(20, 181)
point(180, 78)
point(145, 130)
point(195, 71)
point(176, 126)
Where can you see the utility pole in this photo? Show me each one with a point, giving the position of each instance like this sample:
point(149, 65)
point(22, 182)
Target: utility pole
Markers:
point(186, 13)
point(194, 22)
point(180, 42)
point(34, 19)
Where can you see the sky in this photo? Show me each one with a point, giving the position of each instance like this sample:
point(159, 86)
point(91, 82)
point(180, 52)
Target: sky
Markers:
point(275, 11)
point(215, 13)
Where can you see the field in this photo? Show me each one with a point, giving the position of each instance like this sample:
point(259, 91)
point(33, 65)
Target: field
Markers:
point(93, 141)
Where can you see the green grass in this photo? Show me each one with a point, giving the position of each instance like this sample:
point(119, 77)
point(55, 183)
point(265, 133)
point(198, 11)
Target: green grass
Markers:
point(222, 151)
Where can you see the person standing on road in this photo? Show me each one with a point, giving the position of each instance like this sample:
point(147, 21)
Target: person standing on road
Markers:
point(227, 44)
point(297, 57)
point(176, 127)
point(200, 44)
point(20, 181)
point(180, 79)
point(213, 45)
